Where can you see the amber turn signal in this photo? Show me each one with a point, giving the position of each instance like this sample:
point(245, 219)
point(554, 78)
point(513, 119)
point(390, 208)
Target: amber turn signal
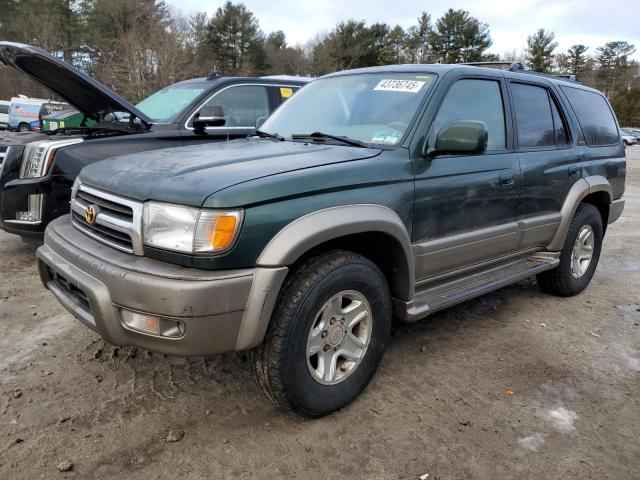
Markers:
point(224, 232)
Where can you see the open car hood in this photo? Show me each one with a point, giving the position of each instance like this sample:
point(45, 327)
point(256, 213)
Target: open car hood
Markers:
point(80, 90)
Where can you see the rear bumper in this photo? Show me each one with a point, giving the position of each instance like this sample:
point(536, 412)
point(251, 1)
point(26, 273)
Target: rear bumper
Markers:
point(615, 209)
point(95, 282)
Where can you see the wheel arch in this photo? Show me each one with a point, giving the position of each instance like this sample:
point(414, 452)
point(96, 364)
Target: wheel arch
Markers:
point(595, 190)
point(357, 228)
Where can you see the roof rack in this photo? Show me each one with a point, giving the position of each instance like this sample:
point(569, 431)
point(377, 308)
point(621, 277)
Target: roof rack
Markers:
point(518, 67)
point(511, 66)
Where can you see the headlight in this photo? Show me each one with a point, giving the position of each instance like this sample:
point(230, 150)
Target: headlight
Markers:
point(38, 156)
point(189, 230)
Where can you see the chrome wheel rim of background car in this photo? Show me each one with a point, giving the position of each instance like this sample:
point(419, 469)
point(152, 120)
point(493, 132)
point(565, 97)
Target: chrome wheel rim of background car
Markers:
point(582, 251)
point(339, 337)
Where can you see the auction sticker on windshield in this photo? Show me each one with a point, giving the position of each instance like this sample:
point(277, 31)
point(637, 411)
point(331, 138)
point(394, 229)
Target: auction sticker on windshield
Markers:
point(408, 86)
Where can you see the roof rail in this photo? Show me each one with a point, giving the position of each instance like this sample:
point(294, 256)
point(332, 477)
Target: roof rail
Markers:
point(295, 78)
point(518, 67)
point(511, 66)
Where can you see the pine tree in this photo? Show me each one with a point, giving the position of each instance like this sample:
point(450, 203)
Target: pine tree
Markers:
point(231, 34)
point(418, 40)
point(540, 47)
point(577, 58)
point(459, 37)
point(613, 65)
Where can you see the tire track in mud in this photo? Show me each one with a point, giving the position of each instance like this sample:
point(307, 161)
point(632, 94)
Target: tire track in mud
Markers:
point(141, 382)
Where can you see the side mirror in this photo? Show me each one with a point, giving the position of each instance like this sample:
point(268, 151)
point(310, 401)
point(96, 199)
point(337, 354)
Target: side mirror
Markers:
point(260, 121)
point(208, 116)
point(466, 137)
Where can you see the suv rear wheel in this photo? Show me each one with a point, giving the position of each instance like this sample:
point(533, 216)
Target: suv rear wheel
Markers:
point(327, 334)
point(579, 256)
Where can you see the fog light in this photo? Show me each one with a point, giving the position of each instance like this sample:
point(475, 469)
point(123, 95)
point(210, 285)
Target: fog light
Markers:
point(142, 322)
point(34, 214)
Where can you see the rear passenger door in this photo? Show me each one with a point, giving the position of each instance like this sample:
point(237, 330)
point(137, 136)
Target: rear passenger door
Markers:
point(465, 205)
point(602, 152)
point(549, 161)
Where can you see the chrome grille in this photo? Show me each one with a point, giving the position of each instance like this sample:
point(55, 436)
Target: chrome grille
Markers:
point(117, 222)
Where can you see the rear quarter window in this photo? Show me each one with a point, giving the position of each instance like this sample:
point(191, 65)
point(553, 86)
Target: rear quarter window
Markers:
point(4, 108)
point(594, 116)
point(286, 92)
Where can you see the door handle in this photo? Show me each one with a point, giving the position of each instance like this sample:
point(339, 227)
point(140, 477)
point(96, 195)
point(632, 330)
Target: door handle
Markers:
point(506, 179)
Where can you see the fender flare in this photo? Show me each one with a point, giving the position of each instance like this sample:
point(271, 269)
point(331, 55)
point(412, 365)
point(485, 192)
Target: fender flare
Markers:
point(302, 235)
point(581, 189)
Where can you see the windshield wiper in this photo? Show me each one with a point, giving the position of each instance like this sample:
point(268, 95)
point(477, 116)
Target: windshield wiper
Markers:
point(322, 136)
point(261, 134)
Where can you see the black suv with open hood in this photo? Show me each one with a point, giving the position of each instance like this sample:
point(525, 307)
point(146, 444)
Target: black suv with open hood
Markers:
point(36, 175)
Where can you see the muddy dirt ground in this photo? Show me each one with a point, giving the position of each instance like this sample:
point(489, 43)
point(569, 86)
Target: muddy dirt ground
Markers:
point(516, 384)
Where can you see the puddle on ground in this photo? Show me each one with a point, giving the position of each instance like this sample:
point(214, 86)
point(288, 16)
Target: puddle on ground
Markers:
point(562, 419)
point(532, 443)
point(620, 341)
point(619, 266)
point(16, 349)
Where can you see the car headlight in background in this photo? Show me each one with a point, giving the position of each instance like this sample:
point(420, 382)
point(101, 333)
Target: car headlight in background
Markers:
point(189, 230)
point(38, 156)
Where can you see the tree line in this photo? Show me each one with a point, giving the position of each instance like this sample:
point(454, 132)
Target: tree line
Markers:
point(136, 47)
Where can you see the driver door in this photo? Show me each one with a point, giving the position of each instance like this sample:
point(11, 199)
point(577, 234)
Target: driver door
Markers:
point(239, 105)
point(466, 205)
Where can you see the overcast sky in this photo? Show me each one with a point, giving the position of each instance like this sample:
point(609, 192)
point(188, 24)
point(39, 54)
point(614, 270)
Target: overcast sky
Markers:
point(511, 21)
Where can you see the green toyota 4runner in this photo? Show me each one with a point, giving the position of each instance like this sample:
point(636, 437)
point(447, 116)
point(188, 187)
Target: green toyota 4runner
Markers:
point(374, 193)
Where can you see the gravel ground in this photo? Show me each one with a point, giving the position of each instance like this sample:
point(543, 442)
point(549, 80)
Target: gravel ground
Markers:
point(516, 384)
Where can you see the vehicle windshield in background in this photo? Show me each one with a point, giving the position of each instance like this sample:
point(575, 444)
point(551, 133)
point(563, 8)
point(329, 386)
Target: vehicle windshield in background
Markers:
point(372, 108)
point(167, 104)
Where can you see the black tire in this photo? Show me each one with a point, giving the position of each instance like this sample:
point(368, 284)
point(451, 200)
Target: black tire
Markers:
point(560, 281)
point(280, 362)
point(24, 127)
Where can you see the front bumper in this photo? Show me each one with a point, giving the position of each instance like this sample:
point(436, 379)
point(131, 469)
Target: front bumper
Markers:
point(94, 282)
point(615, 209)
point(51, 191)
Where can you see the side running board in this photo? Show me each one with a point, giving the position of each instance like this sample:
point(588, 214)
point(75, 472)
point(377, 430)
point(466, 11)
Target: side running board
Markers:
point(458, 289)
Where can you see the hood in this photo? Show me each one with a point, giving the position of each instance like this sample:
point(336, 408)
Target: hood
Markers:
point(80, 90)
point(189, 175)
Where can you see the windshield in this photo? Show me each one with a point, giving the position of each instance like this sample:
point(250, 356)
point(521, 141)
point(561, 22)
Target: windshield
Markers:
point(167, 104)
point(372, 108)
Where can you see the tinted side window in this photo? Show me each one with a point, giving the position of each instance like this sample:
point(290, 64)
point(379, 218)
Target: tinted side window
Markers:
point(594, 115)
point(4, 108)
point(533, 116)
point(472, 99)
point(242, 105)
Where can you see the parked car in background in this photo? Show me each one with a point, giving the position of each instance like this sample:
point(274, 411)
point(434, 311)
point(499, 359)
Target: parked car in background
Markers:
point(630, 136)
point(403, 189)
point(36, 178)
point(68, 118)
point(25, 114)
point(4, 114)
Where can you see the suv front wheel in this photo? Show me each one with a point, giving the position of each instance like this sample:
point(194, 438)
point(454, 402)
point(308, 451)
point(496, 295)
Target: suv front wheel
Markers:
point(579, 256)
point(327, 334)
